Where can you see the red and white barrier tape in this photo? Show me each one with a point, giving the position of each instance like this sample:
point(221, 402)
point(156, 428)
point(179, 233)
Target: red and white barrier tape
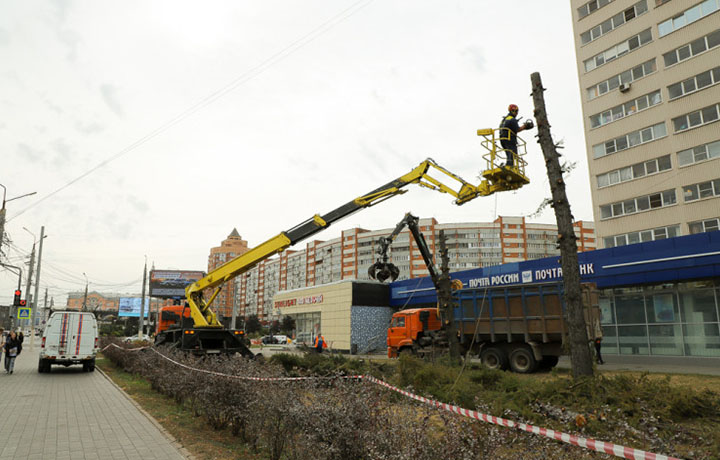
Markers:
point(586, 443)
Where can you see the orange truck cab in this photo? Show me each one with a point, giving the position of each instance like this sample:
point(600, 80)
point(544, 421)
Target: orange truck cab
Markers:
point(170, 317)
point(409, 328)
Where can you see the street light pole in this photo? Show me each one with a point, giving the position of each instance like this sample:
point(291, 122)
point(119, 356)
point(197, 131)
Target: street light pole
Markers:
point(142, 304)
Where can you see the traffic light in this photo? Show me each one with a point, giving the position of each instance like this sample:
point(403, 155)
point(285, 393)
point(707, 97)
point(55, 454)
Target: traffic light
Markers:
point(16, 300)
point(23, 303)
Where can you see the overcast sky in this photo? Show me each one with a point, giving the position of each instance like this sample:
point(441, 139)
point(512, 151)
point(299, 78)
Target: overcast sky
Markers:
point(153, 128)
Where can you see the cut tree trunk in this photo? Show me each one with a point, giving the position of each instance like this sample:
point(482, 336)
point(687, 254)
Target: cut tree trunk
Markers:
point(580, 356)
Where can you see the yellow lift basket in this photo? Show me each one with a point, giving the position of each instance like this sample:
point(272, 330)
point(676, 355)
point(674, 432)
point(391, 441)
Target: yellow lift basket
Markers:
point(513, 176)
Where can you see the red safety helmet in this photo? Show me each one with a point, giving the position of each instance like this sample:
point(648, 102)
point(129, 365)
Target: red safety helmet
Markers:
point(513, 108)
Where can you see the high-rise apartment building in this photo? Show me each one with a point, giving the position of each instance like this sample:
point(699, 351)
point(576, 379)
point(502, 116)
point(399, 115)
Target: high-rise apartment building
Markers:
point(470, 245)
point(230, 248)
point(649, 73)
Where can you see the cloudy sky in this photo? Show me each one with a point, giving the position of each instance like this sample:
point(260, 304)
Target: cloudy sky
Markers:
point(153, 128)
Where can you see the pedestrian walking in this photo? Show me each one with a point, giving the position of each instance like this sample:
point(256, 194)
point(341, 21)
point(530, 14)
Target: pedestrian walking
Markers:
point(596, 335)
point(12, 349)
point(598, 346)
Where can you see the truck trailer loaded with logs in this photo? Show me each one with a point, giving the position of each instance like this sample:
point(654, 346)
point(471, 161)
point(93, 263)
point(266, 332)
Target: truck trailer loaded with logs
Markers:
point(521, 328)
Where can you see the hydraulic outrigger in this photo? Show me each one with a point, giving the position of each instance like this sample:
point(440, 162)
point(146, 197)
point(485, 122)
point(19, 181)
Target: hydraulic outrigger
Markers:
point(205, 320)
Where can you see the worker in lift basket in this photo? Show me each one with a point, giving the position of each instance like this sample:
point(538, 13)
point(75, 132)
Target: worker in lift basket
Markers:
point(509, 128)
point(320, 343)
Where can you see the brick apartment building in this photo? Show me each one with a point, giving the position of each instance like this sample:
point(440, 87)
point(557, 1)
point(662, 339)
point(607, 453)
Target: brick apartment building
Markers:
point(229, 248)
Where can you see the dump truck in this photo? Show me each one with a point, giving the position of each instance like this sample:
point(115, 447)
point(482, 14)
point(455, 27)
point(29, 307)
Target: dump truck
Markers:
point(521, 327)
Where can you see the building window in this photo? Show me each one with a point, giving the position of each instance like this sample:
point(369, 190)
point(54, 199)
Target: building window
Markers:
point(626, 77)
point(626, 109)
point(622, 48)
point(699, 154)
point(636, 171)
point(639, 204)
point(591, 7)
point(688, 16)
point(701, 226)
point(693, 84)
point(632, 139)
point(697, 118)
point(702, 190)
point(614, 22)
point(692, 49)
point(642, 236)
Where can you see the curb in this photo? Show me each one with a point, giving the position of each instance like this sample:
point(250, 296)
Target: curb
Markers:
point(174, 442)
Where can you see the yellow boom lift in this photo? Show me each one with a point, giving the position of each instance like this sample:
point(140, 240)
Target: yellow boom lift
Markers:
point(207, 334)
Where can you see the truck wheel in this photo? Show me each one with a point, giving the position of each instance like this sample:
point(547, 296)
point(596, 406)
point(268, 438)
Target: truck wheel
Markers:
point(494, 358)
point(41, 366)
point(91, 366)
point(522, 360)
point(406, 351)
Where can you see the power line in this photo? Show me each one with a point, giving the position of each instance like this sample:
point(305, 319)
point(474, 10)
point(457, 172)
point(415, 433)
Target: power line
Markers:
point(212, 97)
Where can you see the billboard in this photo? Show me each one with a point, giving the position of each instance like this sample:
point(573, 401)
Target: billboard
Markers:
point(130, 306)
point(172, 283)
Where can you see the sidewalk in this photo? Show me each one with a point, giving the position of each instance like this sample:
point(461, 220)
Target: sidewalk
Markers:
point(662, 364)
point(70, 414)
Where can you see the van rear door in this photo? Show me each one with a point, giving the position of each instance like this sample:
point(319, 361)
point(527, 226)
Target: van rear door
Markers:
point(62, 330)
point(81, 334)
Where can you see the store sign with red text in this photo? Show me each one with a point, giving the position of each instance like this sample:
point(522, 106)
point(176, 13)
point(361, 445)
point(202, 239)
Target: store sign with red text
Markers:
point(307, 300)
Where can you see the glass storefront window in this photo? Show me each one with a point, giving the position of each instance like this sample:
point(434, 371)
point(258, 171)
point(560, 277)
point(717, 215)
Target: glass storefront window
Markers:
point(702, 339)
point(672, 319)
point(633, 340)
point(606, 311)
point(666, 340)
point(662, 308)
point(609, 343)
point(698, 306)
point(630, 309)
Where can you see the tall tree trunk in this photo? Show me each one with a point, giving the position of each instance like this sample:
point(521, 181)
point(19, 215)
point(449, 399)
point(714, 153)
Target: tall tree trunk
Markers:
point(580, 356)
point(445, 300)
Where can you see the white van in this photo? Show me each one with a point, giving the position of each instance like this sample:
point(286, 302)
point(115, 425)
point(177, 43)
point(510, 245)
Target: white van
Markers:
point(70, 337)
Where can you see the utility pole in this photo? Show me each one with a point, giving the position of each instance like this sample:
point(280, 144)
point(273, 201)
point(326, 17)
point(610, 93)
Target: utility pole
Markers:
point(43, 317)
point(142, 303)
point(2, 212)
point(580, 357)
point(28, 296)
point(37, 289)
point(84, 305)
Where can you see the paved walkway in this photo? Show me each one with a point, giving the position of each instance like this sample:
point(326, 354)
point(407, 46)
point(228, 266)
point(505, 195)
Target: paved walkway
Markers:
point(662, 364)
point(70, 414)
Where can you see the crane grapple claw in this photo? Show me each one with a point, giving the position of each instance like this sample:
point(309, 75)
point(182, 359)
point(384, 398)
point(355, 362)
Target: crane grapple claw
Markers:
point(383, 271)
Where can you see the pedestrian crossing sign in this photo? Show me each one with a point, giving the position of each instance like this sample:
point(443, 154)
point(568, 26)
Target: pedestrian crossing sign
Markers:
point(24, 312)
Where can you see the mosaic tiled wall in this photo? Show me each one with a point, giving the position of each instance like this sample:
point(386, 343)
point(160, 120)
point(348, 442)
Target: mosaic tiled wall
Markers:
point(368, 328)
